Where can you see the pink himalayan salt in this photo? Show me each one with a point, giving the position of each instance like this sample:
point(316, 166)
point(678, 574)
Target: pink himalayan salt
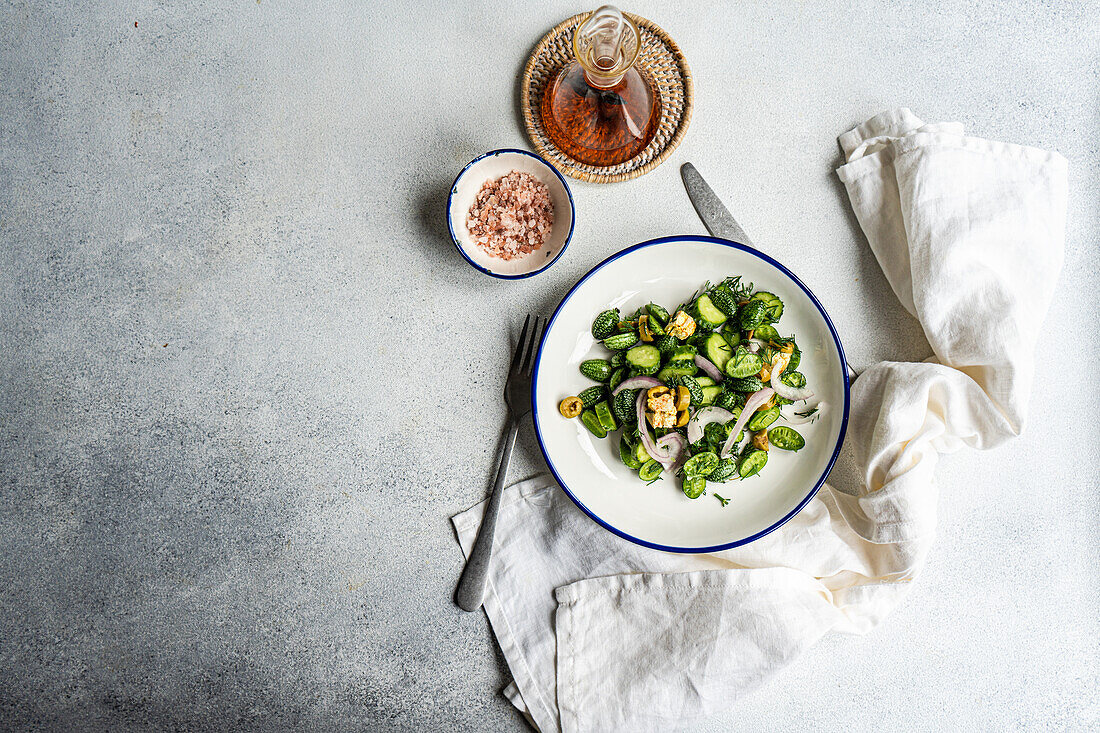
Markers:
point(511, 216)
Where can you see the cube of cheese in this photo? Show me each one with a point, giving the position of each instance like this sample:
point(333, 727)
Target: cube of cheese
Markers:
point(681, 326)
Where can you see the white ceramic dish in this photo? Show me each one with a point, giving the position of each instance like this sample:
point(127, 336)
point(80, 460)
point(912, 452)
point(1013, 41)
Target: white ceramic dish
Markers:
point(495, 164)
point(668, 271)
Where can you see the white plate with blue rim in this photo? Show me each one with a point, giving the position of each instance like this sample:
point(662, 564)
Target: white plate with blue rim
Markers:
point(492, 165)
point(658, 515)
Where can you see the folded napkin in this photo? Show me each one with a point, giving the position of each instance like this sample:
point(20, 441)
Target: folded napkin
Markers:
point(600, 634)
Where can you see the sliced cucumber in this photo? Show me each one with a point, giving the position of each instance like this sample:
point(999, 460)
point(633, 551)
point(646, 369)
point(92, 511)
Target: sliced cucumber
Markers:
point(717, 349)
point(786, 438)
point(657, 313)
point(709, 315)
point(650, 470)
point(593, 424)
point(766, 332)
point(752, 463)
point(641, 455)
point(677, 369)
point(762, 418)
point(710, 394)
point(682, 353)
point(644, 357)
point(705, 381)
point(743, 363)
point(694, 486)
point(603, 414)
point(626, 453)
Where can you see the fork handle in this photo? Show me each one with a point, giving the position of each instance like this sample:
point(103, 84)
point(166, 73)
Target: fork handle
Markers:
point(471, 587)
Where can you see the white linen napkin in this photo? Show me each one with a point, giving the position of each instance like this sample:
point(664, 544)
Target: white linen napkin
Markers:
point(601, 634)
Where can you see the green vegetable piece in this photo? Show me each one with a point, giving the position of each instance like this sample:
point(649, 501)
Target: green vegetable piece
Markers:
point(726, 469)
point(710, 394)
point(794, 379)
point(717, 349)
point(643, 371)
point(694, 486)
point(593, 424)
point(616, 377)
point(607, 420)
point(701, 464)
point(763, 418)
point(592, 395)
point(752, 314)
point(624, 405)
point(704, 380)
point(650, 471)
point(728, 400)
point(723, 300)
point(722, 499)
point(641, 454)
point(605, 324)
point(626, 453)
point(796, 359)
point(693, 387)
point(773, 305)
point(677, 369)
point(765, 332)
point(645, 357)
point(657, 313)
point(654, 326)
point(617, 359)
point(747, 384)
point(683, 353)
point(786, 438)
point(752, 463)
point(732, 333)
point(597, 369)
point(744, 363)
point(621, 341)
point(708, 315)
point(666, 344)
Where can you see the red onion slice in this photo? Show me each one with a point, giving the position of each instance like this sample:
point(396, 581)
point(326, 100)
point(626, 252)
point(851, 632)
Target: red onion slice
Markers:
point(635, 383)
point(677, 448)
point(786, 391)
point(705, 417)
point(752, 404)
point(709, 367)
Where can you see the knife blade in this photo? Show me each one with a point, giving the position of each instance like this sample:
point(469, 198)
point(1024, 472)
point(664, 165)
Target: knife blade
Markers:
point(717, 218)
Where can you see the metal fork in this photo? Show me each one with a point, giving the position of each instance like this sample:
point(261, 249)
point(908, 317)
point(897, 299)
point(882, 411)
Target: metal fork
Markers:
point(517, 396)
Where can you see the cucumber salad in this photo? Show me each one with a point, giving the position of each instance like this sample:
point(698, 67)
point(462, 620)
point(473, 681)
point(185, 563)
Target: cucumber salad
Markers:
point(696, 392)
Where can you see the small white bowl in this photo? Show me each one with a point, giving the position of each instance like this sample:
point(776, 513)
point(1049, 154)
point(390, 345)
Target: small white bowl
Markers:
point(495, 164)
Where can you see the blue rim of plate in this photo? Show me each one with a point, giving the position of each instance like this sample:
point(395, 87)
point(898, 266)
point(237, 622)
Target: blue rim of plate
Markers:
point(572, 213)
point(843, 370)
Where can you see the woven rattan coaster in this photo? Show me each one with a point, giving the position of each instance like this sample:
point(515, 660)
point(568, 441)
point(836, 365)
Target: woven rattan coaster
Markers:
point(660, 60)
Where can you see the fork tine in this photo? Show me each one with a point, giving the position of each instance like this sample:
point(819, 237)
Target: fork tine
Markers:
point(535, 343)
point(517, 360)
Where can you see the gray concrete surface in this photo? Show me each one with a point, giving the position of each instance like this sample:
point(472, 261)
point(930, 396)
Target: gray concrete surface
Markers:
point(245, 380)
